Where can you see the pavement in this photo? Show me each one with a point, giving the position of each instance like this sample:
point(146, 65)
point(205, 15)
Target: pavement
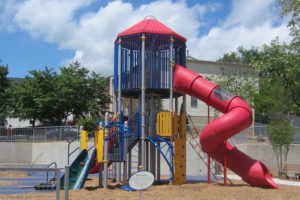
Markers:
point(276, 180)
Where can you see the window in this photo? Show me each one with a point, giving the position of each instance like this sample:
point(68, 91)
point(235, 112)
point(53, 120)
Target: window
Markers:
point(194, 102)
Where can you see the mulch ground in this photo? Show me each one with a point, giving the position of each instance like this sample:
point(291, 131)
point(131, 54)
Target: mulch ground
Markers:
point(238, 190)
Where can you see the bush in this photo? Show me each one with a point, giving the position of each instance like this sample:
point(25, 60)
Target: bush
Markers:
point(281, 135)
point(88, 124)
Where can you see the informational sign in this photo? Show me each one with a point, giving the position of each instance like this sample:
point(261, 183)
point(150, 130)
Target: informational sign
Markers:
point(141, 180)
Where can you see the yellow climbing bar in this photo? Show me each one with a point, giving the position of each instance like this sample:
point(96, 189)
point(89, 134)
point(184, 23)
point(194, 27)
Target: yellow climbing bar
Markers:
point(84, 138)
point(100, 144)
point(164, 124)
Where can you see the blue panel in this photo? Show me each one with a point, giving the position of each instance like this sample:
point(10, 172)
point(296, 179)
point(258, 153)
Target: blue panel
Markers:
point(116, 68)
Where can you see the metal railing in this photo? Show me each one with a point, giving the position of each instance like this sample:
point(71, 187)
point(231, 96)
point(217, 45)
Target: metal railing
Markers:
point(31, 183)
point(38, 134)
point(256, 133)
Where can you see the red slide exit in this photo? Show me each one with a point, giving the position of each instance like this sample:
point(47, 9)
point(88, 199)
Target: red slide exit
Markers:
point(237, 117)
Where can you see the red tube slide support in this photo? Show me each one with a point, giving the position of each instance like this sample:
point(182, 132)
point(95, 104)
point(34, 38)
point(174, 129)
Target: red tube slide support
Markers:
point(237, 117)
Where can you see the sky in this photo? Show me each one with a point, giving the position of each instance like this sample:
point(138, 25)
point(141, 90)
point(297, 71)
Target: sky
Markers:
point(54, 33)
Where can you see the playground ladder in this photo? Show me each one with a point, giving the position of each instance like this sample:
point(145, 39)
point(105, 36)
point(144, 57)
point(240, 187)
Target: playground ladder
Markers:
point(193, 140)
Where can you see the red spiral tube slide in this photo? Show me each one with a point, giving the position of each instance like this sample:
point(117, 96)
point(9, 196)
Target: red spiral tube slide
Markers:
point(237, 117)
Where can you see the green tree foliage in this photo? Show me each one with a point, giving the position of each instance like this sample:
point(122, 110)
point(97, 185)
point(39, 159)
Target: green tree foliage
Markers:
point(50, 97)
point(292, 8)
point(241, 56)
point(88, 124)
point(281, 135)
point(34, 98)
point(279, 69)
point(4, 84)
point(243, 84)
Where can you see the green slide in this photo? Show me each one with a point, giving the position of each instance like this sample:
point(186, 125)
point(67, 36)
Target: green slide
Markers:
point(79, 170)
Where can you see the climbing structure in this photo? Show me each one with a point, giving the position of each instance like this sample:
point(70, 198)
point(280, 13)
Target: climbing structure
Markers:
point(149, 66)
point(143, 75)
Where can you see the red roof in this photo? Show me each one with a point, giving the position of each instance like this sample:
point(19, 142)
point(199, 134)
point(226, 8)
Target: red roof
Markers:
point(150, 26)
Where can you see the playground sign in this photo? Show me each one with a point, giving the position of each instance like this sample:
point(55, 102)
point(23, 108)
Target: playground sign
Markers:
point(141, 180)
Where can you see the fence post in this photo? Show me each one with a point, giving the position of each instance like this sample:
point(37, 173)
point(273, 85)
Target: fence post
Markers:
point(67, 174)
point(57, 184)
point(60, 130)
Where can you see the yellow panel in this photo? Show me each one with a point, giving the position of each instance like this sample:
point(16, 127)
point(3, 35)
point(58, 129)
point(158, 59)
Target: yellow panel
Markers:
point(100, 144)
point(84, 140)
point(164, 124)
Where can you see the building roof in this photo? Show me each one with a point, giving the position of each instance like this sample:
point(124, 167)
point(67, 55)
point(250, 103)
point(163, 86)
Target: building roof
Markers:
point(150, 26)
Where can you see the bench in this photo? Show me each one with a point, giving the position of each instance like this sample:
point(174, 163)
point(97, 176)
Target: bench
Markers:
point(295, 168)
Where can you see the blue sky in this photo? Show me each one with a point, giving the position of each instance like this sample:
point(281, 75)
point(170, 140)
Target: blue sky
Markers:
point(39, 33)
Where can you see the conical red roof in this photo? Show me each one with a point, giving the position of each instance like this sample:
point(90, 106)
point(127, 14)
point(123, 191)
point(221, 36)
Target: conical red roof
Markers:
point(150, 26)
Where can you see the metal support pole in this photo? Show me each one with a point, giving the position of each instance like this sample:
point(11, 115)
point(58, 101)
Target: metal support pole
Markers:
point(225, 167)
point(143, 93)
point(106, 138)
point(208, 157)
point(176, 105)
point(118, 164)
point(158, 162)
point(119, 77)
point(171, 99)
point(57, 185)
point(208, 169)
point(152, 132)
point(67, 175)
point(125, 152)
point(129, 152)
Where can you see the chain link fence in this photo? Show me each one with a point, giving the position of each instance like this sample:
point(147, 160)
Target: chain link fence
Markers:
point(38, 134)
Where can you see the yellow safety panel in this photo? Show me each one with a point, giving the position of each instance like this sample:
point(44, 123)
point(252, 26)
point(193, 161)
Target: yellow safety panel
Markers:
point(164, 124)
point(84, 137)
point(100, 145)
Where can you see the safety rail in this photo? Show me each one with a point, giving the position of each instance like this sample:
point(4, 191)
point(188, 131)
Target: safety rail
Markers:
point(156, 142)
point(51, 164)
point(69, 146)
point(16, 183)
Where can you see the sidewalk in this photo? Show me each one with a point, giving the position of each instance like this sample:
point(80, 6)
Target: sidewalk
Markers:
point(276, 180)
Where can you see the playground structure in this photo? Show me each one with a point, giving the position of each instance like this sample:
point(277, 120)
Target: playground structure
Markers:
point(149, 66)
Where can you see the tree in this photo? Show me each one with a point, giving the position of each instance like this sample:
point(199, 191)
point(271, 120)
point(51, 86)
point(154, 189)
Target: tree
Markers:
point(280, 66)
point(34, 98)
point(241, 56)
point(51, 98)
point(292, 8)
point(281, 134)
point(4, 85)
point(81, 93)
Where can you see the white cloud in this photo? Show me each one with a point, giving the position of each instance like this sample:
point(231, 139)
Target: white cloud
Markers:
point(219, 41)
point(91, 35)
point(250, 13)
point(7, 9)
point(249, 24)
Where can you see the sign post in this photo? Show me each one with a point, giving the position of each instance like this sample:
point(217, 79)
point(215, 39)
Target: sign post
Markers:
point(140, 181)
